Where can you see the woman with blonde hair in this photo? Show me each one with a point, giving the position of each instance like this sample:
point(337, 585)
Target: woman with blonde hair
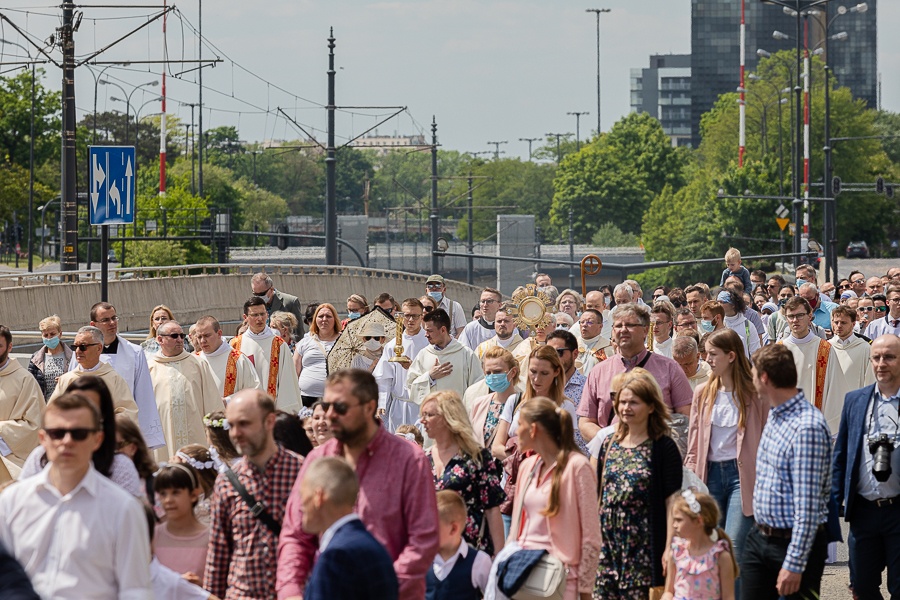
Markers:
point(555, 506)
point(312, 351)
point(52, 360)
point(570, 302)
point(639, 470)
point(459, 463)
point(428, 303)
point(159, 315)
point(283, 323)
point(501, 373)
point(727, 419)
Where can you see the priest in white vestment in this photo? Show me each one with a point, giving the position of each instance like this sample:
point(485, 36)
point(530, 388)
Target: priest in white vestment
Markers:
point(130, 363)
point(853, 357)
point(594, 347)
point(818, 368)
point(270, 355)
point(394, 404)
point(21, 402)
point(185, 391)
point(482, 329)
point(231, 370)
point(88, 347)
point(444, 364)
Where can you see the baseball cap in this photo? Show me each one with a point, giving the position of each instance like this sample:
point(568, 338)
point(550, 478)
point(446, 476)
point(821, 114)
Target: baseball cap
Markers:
point(434, 279)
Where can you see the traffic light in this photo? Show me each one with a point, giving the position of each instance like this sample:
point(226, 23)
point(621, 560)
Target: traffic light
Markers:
point(879, 185)
point(889, 191)
point(836, 186)
point(282, 240)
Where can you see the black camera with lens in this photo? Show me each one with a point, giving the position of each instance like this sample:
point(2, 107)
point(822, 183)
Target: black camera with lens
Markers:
point(880, 447)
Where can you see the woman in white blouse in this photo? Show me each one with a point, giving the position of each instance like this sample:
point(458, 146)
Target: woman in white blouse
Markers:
point(727, 420)
point(312, 351)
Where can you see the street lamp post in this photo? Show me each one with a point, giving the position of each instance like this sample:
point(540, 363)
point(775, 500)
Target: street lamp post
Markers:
point(598, 12)
point(128, 101)
point(578, 127)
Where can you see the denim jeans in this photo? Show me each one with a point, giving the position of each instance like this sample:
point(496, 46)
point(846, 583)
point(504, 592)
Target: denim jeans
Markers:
point(724, 483)
point(507, 523)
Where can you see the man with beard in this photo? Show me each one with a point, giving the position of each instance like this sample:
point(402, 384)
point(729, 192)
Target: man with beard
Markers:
point(396, 502)
point(241, 560)
point(21, 402)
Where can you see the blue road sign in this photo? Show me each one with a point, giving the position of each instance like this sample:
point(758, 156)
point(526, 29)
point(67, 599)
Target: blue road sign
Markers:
point(112, 193)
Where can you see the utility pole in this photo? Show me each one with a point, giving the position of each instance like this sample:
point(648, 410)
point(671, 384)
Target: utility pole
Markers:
point(470, 260)
point(598, 11)
point(68, 192)
point(496, 146)
point(578, 127)
point(529, 140)
point(331, 233)
point(435, 215)
point(558, 136)
point(200, 101)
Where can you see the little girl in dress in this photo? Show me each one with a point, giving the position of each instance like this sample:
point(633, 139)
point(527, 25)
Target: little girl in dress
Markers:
point(701, 565)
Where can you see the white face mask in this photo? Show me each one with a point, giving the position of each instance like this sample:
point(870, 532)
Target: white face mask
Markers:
point(372, 345)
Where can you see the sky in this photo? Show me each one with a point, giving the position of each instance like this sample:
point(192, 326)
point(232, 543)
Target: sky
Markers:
point(487, 70)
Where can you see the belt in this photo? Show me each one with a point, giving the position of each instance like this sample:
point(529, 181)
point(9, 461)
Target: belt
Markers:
point(781, 534)
point(881, 502)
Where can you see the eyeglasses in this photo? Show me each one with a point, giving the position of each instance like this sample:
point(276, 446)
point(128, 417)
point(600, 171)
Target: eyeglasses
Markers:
point(772, 285)
point(894, 300)
point(678, 303)
point(796, 316)
point(261, 294)
point(433, 286)
point(866, 308)
point(341, 408)
point(857, 281)
point(686, 324)
point(488, 301)
point(257, 315)
point(562, 351)
point(844, 286)
point(588, 323)
point(881, 309)
point(371, 337)
point(621, 325)
point(121, 444)
point(660, 322)
point(412, 317)
point(82, 347)
point(112, 319)
point(658, 296)
point(78, 434)
point(428, 309)
point(174, 336)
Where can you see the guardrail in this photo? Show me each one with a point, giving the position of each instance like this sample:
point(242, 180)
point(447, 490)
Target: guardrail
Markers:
point(120, 274)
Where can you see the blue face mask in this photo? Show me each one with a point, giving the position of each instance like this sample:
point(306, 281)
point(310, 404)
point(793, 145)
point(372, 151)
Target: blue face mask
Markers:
point(353, 316)
point(497, 382)
point(707, 326)
point(437, 296)
point(52, 343)
point(800, 282)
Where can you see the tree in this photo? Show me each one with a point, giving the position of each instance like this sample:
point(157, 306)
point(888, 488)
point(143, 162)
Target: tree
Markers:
point(156, 254)
point(353, 168)
point(640, 140)
point(610, 236)
point(15, 119)
point(222, 146)
point(554, 149)
point(260, 208)
point(888, 124)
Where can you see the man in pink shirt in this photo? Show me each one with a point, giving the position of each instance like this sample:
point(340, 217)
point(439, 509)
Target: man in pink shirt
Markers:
point(397, 501)
point(631, 323)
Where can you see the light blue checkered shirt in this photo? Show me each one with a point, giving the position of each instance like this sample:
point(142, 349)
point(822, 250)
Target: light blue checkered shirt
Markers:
point(793, 475)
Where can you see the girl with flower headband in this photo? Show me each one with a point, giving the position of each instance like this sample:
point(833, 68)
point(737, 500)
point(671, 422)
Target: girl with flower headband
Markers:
point(181, 541)
point(217, 436)
point(701, 565)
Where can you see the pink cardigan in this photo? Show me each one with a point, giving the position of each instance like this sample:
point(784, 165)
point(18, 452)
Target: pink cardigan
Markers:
point(747, 443)
point(575, 530)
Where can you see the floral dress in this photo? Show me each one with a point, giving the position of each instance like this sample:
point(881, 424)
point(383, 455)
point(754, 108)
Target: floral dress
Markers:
point(625, 569)
point(491, 419)
point(697, 577)
point(480, 489)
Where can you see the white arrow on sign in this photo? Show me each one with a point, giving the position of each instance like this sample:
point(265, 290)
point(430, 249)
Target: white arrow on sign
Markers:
point(782, 212)
point(115, 197)
point(128, 174)
point(99, 177)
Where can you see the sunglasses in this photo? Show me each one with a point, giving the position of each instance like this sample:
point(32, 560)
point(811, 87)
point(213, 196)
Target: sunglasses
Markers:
point(341, 408)
point(82, 347)
point(261, 294)
point(428, 309)
point(881, 309)
point(678, 303)
point(866, 308)
point(371, 337)
point(79, 434)
point(174, 336)
point(562, 351)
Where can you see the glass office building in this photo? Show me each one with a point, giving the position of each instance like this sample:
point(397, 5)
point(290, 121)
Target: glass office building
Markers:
point(664, 91)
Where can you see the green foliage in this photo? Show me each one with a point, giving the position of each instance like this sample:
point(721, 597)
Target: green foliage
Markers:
point(610, 236)
point(156, 254)
point(520, 187)
point(888, 124)
point(555, 150)
point(640, 140)
point(14, 193)
point(261, 208)
point(15, 119)
point(352, 169)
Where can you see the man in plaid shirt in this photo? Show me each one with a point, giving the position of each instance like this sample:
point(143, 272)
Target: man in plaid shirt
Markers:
point(241, 561)
point(785, 552)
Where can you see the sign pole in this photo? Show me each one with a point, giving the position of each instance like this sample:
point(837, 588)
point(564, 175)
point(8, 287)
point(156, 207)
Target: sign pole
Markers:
point(104, 263)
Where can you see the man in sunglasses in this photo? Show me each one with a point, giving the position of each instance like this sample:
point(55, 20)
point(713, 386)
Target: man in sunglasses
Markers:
point(20, 403)
point(886, 323)
point(130, 362)
point(88, 347)
point(76, 533)
point(270, 355)
point(396, 503)
point(262, 285)
point(185, 391)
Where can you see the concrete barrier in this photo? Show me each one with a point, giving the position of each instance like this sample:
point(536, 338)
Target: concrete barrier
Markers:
point(196, 290)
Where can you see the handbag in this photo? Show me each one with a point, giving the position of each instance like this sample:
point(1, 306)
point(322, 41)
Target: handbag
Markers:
point(547, 579)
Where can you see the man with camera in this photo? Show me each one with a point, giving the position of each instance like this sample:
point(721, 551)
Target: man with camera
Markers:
point(865, 480)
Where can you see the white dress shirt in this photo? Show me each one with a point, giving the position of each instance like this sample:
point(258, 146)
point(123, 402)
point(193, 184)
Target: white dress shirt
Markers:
point(329, 533)
point(91, 543)
point(481, 569)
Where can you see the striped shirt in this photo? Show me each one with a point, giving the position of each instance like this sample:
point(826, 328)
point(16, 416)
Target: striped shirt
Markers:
point(792, 475)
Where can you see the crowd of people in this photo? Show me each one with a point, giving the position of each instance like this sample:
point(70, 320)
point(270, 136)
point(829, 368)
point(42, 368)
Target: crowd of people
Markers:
point(699, 443)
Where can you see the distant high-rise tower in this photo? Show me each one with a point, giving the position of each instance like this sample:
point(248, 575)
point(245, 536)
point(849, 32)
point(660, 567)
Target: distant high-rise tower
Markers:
point(664, 91)
point(715, 48)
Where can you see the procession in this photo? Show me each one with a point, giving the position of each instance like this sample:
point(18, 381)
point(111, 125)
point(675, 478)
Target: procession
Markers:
point(692, 442)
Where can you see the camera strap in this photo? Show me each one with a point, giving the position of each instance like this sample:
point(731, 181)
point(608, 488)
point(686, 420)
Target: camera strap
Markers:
point(875, 415)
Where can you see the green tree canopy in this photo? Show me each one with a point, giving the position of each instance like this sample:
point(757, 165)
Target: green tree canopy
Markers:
point(15, 119)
